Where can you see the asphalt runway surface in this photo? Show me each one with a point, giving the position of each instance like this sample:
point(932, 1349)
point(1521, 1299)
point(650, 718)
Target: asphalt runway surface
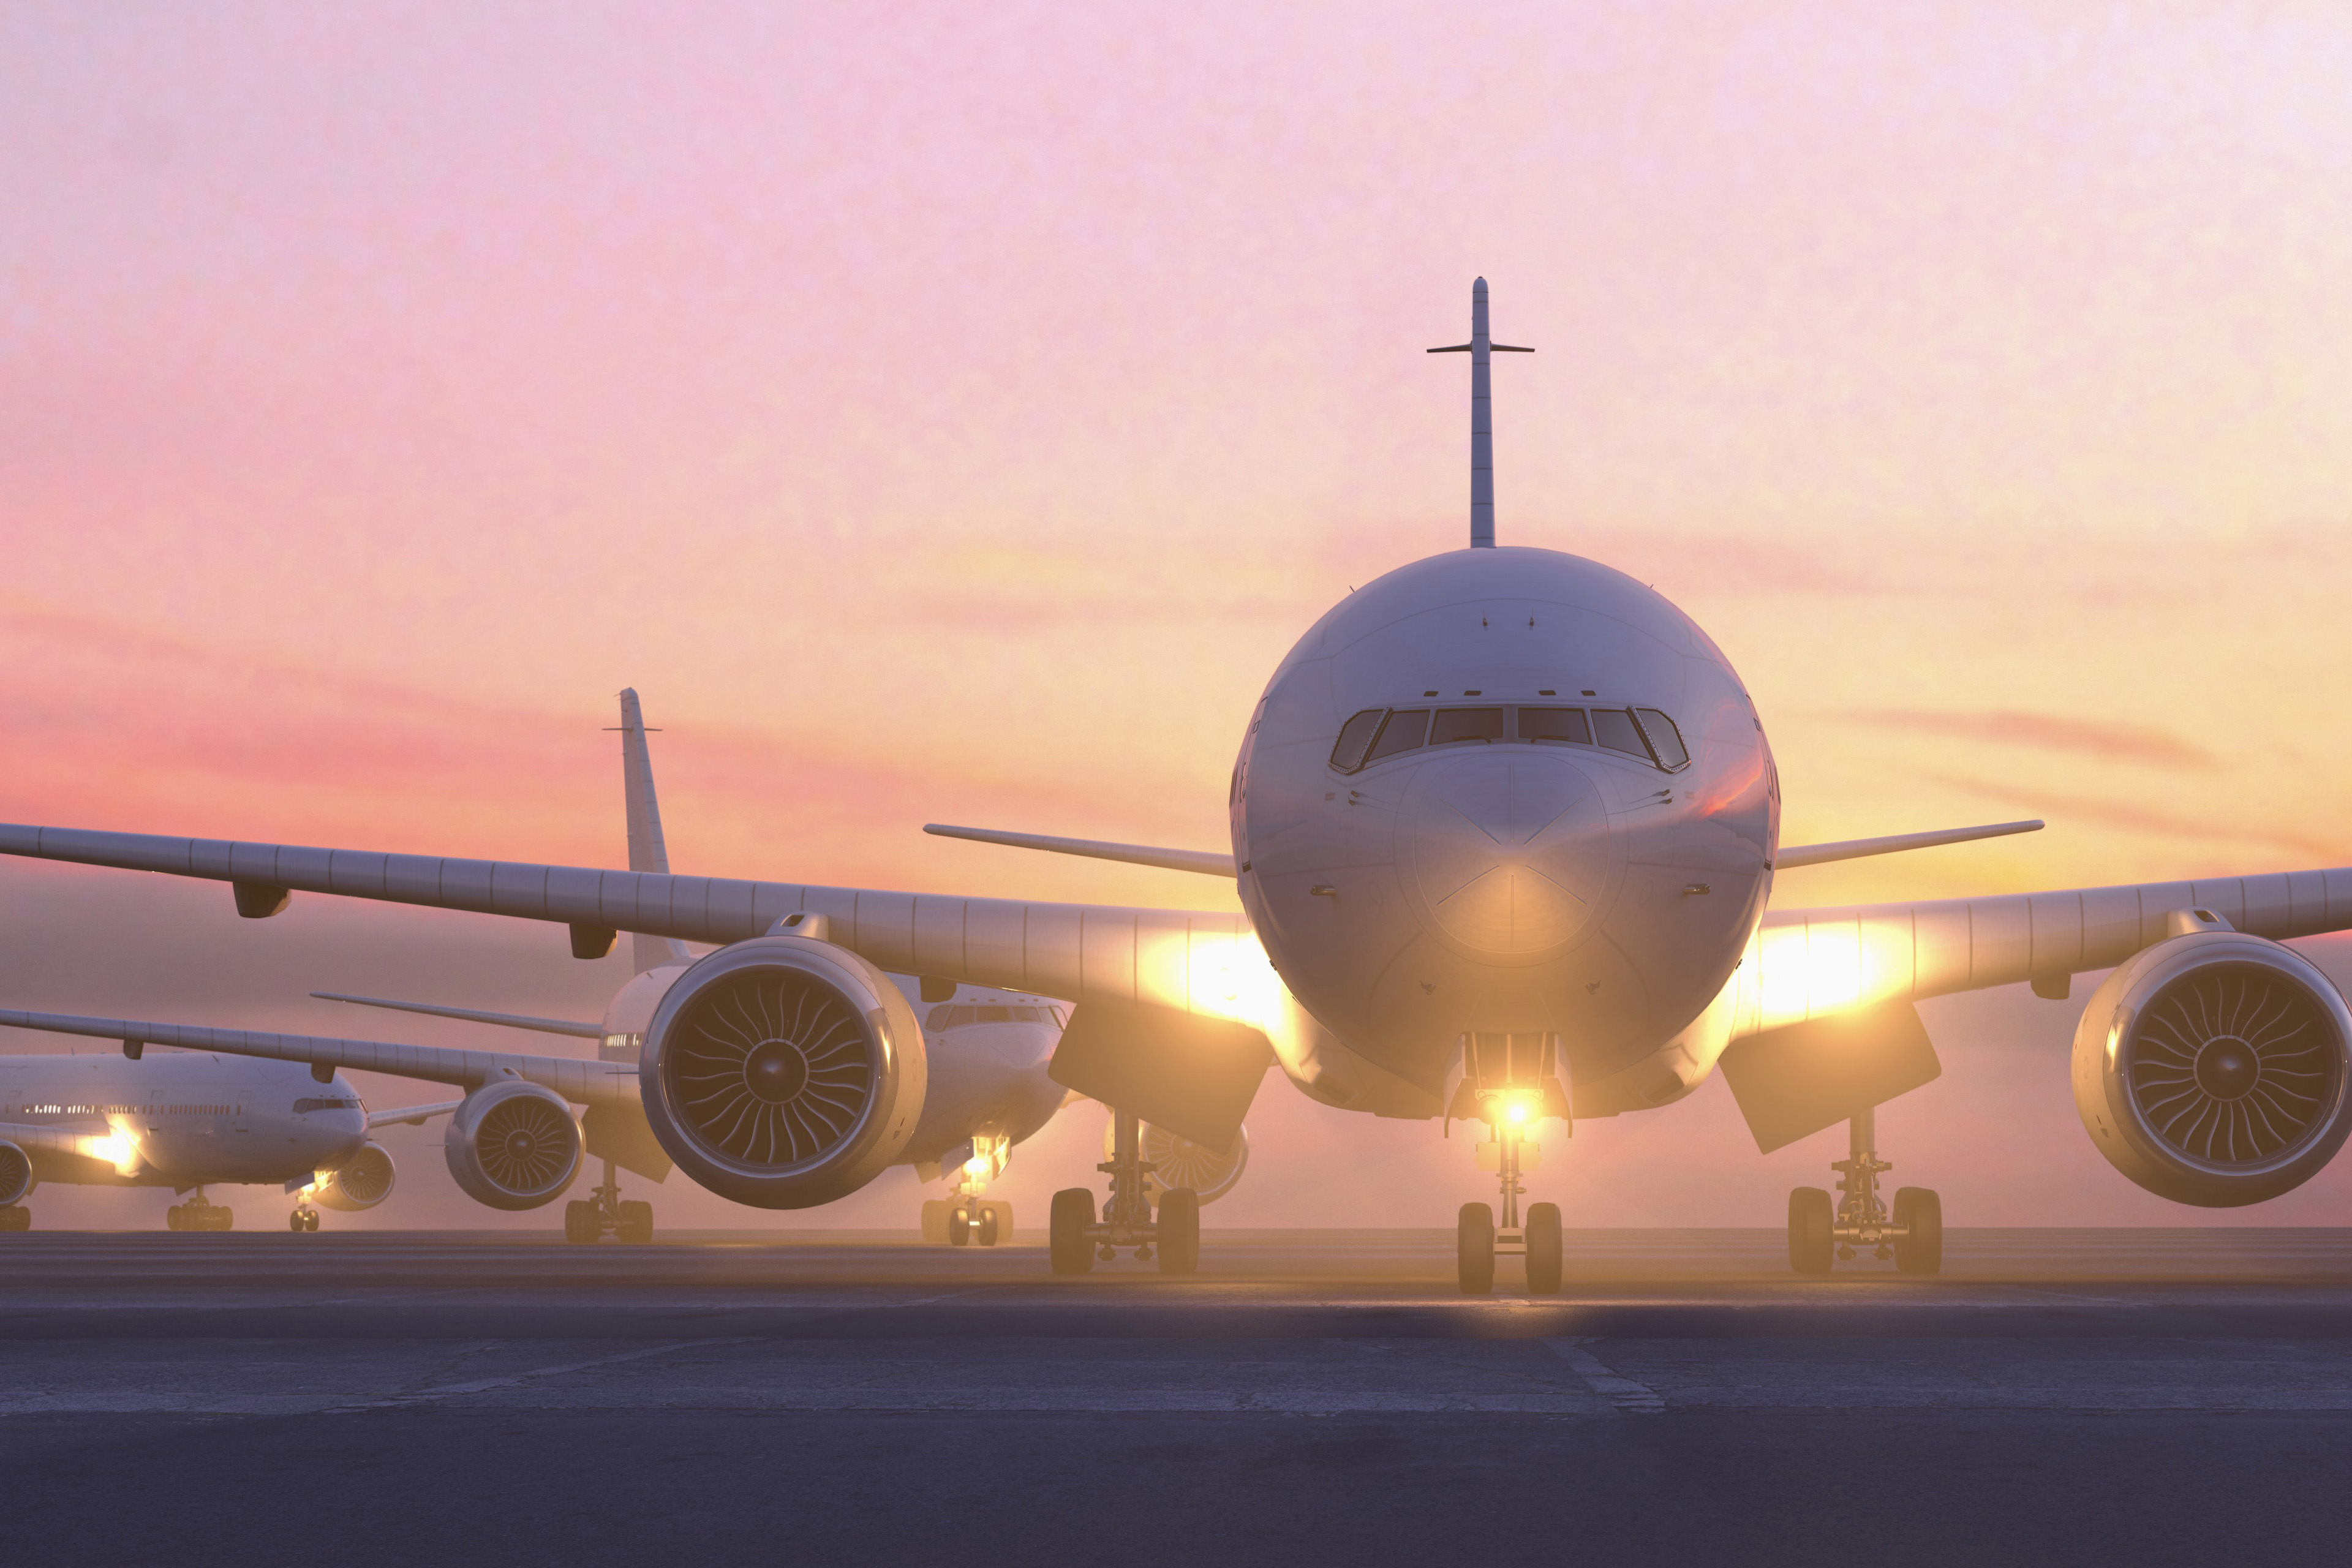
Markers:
point(1309, 1397)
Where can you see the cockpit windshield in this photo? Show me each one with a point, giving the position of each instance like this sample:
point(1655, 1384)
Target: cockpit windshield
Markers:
point(1377, 734)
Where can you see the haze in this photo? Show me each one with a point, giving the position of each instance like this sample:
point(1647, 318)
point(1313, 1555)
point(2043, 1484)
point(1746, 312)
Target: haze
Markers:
point(953, 416)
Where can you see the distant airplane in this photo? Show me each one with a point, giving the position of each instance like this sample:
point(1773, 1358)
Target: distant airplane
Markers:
point(189, 1121)
point(1505, 823)
point(512, 1143)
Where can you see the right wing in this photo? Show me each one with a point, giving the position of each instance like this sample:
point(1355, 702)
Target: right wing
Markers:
point(1207, 862)
point(1189, 962)
point(582, 1082)
point(474, 1016)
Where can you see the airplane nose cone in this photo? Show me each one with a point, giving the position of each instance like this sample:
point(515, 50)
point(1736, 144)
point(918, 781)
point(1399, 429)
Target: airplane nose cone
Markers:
point(1511, 855)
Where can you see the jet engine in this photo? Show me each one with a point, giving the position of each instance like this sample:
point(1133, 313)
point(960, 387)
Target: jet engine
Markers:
point(1180, 1162)
point(16, 1174)
point(2211, 1068)
point(512, 1145)
point(359, 1182)
point(783, 1072)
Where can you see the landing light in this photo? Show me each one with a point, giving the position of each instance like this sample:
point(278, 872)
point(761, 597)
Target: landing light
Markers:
point(976, 1166)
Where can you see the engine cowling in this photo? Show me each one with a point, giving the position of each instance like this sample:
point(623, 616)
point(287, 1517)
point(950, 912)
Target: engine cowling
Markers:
point(1178, 1162)
point(2211, 1068)
point(513, 1145)
point(16, 1181)
point(783, 1072)
point(359, 1182)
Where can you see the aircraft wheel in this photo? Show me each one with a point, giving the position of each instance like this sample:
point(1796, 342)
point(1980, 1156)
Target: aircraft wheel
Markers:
point(635, 1222)
point(294, 1222)
point(1543, 1249)
point(1067, 1245)
point(987, 1226)
point(1474, 1249)
point(220, 1217)
point(958, 1226)
point(935, 1221)
point(1180, 1231)
point(999, 1216)
point(1812, 1220)
point(310, 1220)
point(174, 1219)
point(1921, 1251)
point(579, 1221)
point(15, 1216)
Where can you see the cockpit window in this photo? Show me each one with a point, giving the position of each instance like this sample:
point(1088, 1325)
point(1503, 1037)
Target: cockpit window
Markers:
point(1455, 724)
point(1407, 730)
point(1554, 724)
point(1614, 727)
point(1355, 737)
point(1665, 741)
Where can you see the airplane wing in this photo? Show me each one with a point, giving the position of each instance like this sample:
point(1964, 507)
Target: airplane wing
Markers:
point(582, 1082)
point(413, 1115)
point(1806, 963)
point(1189, 962)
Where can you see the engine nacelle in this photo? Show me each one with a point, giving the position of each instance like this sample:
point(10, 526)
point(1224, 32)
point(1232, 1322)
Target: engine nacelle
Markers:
point(783, 1072)
point(1178, 1161)
point(16, 1181)
point(513, 1145)
point(2211, 1068)
point(359, 1182)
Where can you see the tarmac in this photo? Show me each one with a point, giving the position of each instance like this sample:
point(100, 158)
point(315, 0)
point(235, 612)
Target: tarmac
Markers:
point(2150, 1396)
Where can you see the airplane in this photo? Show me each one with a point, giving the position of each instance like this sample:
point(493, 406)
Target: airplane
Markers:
point(1504, 825)
point(189, 1121)
point(512, 1143)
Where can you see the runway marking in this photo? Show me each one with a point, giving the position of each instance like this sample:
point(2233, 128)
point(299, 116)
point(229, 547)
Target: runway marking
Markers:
point(1631, 1397)
point(482, 1385)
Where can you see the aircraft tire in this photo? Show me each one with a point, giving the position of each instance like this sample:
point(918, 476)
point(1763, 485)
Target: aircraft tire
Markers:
point(1067, 1244)
point(958, 1226)
point(1474, 1249)
point(987, 1226)
point(579, 1221)
point(1180, 1231)
point(220, 1217)
point(294, 1222)
point(1922, 1250)
point(1543, 1249)
point(1812, 1240)
point(174, 1219)
point(15, 1217)
point(634, 1225)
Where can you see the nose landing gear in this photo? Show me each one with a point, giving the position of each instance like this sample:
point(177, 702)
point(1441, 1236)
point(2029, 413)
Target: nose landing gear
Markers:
point(303, 1218)
point(1911, 1232)
point(965, 1219)
point(1478, 1240)
point(1078, 1239)
point(605, 1213)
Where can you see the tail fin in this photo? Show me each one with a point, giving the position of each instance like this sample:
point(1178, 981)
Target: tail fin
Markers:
point(648, 852)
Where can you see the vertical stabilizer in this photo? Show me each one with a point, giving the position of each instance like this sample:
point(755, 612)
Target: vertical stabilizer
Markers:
point(647, 850)
point(1482, 415)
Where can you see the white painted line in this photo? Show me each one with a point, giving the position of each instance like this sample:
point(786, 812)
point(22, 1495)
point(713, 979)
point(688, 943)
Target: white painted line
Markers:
point(480, 1385)
point(1631, 1397)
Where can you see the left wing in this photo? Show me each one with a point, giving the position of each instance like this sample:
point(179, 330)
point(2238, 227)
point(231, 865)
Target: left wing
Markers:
point(1806, 963)
point(582, 1082)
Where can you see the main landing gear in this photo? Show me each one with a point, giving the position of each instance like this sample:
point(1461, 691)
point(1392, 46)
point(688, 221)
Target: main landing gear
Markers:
point(605, 1213)
point(303, 1218)
point(15, 1218)
point(1078, 1237)
point(197, 1214)
point(1478, 1241)
point(1911, 1232)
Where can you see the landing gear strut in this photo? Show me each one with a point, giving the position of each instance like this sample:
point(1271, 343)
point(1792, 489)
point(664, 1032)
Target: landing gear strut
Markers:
point(1078, 1239)
point(605, 1213)
point(198, 1214)
point(1478, 1240)
point(1911, 1232)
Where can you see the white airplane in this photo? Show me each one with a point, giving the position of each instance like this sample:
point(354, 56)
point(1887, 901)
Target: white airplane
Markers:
point(1505, 823)
point(512, 1143)
point(188, 1120)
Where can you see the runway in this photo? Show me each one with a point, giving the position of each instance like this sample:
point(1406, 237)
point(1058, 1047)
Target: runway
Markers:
point(1323, 1397)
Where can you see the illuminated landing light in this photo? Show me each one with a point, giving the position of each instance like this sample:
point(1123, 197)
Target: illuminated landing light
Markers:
point(978, 1166)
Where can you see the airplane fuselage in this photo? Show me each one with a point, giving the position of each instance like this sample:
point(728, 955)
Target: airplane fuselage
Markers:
point(1506, 791)
point(191, 1118)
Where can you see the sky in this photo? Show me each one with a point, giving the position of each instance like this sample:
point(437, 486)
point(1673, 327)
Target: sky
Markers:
point(953, 414)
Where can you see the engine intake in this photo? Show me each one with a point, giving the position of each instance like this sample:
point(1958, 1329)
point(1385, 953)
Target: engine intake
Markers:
point(359, 1182)
point(2211, 1069)
point(16, 1181)
point(513, 1145)
point(783, 1072)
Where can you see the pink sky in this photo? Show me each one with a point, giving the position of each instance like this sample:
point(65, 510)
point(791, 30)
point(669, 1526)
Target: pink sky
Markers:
point(953, 415)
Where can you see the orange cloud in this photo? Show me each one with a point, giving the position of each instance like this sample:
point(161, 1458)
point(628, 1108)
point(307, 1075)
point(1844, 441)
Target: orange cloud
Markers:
point(2112, 742)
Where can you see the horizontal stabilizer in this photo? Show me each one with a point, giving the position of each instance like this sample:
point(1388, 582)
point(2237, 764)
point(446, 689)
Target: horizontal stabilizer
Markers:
point(471, 1015)
point(1207, 862)
point(1789, 858)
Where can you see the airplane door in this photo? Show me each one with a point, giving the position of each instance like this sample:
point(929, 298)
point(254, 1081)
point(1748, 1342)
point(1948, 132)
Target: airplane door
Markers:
point(244, 1103)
